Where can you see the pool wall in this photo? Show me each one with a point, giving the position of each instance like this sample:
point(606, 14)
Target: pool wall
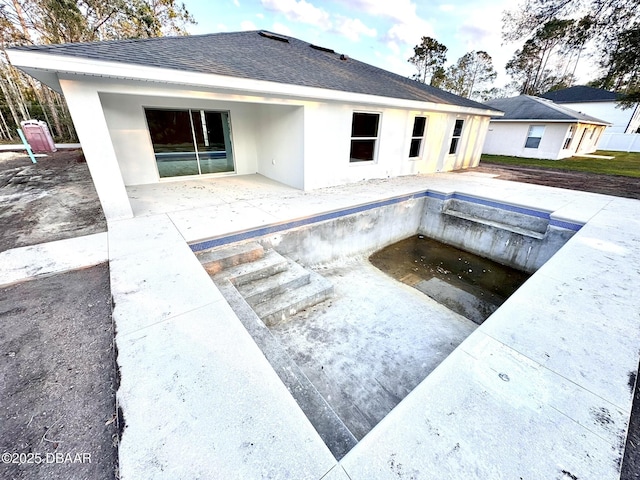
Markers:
point(344, 236)
point(517, 236)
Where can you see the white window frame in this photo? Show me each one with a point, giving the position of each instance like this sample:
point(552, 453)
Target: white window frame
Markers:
point(421, 138)
point(456, 137)
point(375, 139)
point(569, 139)
point(530, 136)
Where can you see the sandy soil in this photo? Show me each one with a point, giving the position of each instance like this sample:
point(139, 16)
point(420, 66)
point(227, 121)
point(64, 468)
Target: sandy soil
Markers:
point(51, 200)
point(58, 378)
point(587, 182)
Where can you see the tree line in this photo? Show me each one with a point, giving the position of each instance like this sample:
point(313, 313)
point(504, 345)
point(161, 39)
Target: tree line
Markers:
point(41, 22)
point(556, 36)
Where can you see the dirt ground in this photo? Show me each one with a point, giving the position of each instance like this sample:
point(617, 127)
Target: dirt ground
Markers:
point(58, 378)
point(58, 373)
point(51, 200)
point(587, 182)
point(57, 369)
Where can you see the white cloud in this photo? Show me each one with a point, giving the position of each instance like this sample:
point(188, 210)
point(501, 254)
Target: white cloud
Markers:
point(397, 9)
point(396, 63)
point(447, 7)
point(409, 32)
point(248, 25)
point(486, 36)
point(352, 28)
point(282, 29)
point(300, 11)
point(260, 16)
point(236, 3)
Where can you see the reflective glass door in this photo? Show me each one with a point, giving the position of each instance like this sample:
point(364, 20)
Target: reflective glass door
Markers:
point(190, 142)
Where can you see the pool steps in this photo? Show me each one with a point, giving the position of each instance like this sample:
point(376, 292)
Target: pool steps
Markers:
point(275, 287)
point(248, 286)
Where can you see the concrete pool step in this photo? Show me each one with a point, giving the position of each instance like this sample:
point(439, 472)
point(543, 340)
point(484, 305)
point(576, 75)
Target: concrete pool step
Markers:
point(263, 289)
point(513, 221)
point(283, 306)
point(270, 264)
point(217, 260)
point(275, 287)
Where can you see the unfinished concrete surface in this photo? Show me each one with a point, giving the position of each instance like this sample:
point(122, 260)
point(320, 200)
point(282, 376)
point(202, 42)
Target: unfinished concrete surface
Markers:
point(510, 430)
point(371, 344)
point(547, 404)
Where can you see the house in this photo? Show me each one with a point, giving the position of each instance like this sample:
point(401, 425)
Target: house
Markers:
point(175, 108)
point(599, 103)
point(534, 127)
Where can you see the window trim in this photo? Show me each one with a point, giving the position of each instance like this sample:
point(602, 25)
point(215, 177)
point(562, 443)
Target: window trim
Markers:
point(567, 141)
point(529, 136)
point(375, 139)
point(456, 137)
point(420, 137)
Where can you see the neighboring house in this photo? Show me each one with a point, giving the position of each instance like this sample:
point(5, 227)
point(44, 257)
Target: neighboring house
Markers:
point(238, 103)
point(537, 128)
point(600, 104)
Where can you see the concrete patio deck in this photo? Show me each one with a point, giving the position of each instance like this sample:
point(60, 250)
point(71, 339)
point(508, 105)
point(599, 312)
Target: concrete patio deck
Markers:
point(543, 389)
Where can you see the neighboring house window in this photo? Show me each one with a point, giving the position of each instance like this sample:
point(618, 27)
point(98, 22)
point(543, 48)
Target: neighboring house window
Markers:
point(190, 142)
point(364, 136)
point(534, 137)
point(567, 141)
point(417, 137)
point(455, 139)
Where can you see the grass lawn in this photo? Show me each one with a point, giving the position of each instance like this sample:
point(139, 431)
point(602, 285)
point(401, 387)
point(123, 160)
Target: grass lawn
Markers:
point(623, 163)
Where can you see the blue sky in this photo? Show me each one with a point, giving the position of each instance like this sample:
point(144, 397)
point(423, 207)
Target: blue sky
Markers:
point(379, 32)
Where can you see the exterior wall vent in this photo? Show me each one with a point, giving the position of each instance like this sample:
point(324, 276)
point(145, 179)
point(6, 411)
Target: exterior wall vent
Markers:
point(273, 36)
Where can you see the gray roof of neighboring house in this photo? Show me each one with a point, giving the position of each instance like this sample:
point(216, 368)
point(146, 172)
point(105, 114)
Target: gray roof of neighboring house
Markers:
point(526, 107)
point(258, 55)
point(581, 94)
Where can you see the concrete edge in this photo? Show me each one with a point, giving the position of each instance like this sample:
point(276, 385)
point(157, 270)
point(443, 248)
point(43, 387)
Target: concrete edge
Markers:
point(27, 263)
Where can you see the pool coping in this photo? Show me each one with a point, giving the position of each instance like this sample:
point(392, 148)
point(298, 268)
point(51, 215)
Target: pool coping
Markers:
point(248, 234)
point(497, 407)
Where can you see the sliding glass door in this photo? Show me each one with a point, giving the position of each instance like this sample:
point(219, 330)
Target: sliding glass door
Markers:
point(190, 142)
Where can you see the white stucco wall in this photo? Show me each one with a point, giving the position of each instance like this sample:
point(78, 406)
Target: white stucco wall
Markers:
point(91, 126)
point(327, 136)
point(300, 142)
point(130, 135)
point(621, 119)
point(305, 145)
point(509, 138)
point(278, 138)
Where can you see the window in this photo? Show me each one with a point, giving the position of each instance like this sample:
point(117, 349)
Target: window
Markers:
point(534, 137)
point(190, 142)
point(455, 139)
point(417, 137)
point(364, 136)
point(567, 140)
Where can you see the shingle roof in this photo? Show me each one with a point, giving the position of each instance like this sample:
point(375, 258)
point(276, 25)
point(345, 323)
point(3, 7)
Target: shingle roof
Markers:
point(525, 107)
point(256, 55)
point(581, 93)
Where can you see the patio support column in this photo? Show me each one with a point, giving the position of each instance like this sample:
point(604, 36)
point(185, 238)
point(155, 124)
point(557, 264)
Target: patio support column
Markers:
point(88, 118)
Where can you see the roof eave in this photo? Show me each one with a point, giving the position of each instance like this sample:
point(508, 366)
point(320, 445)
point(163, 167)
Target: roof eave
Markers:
point(545, 120)
point(46, 67)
